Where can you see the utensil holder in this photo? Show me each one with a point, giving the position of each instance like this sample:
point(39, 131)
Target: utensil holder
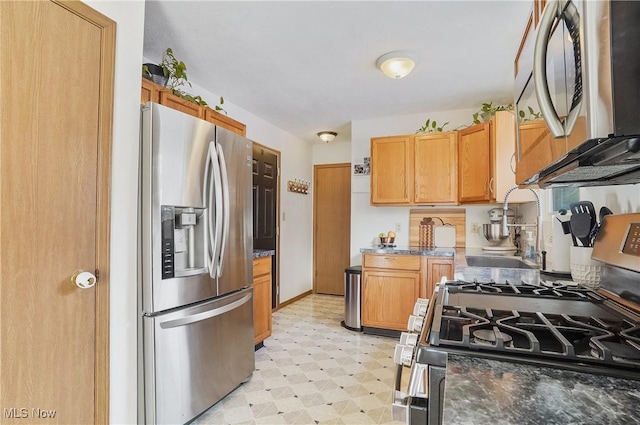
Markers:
point(584, 270)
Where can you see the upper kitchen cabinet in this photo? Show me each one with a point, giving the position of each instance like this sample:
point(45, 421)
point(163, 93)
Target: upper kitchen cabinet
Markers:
point(487, 160)
point(474, 163)
point(414, 170)
point(152, 92)
point(503, 138)
point(225, 122)
point(391, 170)
point(436, 155)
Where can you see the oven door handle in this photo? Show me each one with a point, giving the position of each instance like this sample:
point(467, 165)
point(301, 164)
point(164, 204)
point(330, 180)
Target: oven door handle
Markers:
point(400, 405)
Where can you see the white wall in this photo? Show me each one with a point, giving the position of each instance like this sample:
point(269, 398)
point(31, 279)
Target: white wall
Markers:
point(129, 17)
point(331, 153)
point(621, 199)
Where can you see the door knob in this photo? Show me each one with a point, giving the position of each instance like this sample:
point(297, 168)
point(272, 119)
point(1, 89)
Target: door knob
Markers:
point(83, 280)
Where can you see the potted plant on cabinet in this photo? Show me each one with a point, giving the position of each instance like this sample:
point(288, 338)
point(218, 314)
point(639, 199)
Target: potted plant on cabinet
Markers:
point(171, 73)
point(488, 111)
point(431, 126)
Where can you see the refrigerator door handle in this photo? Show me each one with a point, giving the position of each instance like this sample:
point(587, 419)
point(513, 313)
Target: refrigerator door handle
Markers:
point(214, 203)
point(207, 196)
point(206, 314)
point(225, 207)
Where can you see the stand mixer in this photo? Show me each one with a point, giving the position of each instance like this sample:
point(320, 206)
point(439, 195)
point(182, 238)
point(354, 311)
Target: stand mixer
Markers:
point(492, 232)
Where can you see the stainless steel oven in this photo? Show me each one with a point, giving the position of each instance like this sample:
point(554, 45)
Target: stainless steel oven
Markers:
point(551, 324)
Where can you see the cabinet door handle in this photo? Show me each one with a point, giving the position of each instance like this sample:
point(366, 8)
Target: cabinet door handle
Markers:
point(491, 185)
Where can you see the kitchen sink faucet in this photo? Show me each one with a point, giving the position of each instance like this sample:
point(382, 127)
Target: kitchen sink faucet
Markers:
point(505, 226)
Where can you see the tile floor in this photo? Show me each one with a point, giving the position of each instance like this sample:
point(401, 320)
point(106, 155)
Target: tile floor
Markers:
point(313, 371)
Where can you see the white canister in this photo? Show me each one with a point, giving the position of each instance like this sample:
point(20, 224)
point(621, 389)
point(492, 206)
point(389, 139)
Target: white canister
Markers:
point(584, 270)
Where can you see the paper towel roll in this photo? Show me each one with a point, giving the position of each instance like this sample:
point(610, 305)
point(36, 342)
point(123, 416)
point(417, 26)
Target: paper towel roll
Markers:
point(560, 258)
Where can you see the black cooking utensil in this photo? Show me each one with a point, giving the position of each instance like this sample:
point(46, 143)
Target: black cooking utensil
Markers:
point(604, 211)
point(581, 227)
point(585, 207)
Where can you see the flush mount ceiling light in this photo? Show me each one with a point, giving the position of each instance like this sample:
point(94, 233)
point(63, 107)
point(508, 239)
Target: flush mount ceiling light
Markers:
point(327, 136)
point(396, 64)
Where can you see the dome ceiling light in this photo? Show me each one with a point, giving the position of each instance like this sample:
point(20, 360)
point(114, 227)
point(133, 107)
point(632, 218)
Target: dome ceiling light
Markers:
point(327, 136)
point(396, 64)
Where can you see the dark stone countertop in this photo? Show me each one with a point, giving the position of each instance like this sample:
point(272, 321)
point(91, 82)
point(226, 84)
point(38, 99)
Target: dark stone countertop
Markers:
point(409, 250)
point(258, 253)
point(482, 391)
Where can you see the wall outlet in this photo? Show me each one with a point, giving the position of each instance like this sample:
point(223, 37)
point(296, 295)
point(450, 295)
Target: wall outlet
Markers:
point(398, 227)
point(475, 228)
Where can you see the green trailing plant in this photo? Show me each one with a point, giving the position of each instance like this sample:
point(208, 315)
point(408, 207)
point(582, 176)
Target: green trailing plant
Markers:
point(219, 107)
point(176, 73)
point(488, 110)
point(431, 127)
point(533, 115)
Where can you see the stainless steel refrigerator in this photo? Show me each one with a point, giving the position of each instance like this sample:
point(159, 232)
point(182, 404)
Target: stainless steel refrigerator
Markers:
point(196, 246)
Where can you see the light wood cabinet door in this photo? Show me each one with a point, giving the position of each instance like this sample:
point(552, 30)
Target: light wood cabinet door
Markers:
point(388, 298)
point(175, 102)
point(150, 92)
point(474, 163)
point(538, 149)
point(503, 140)
point(435, 163)
point(261, 299)
point(391, 170)
point(225, 122)
point(437, 268)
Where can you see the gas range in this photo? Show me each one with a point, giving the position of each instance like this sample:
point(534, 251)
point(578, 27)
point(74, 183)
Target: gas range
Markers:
point(565, 326)
point(556, 325)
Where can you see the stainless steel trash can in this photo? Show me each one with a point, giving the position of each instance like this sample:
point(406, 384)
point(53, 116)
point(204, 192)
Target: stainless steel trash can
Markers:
point(352, 298)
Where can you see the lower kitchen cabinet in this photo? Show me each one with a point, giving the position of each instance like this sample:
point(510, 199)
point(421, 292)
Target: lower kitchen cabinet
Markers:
point(387, 296)
point(391, 283)
point(261, 299)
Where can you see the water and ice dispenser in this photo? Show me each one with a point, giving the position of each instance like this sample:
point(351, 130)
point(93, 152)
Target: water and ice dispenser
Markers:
point(183, 241)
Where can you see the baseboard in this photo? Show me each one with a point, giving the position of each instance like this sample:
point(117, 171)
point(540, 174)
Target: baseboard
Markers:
point(294, 299)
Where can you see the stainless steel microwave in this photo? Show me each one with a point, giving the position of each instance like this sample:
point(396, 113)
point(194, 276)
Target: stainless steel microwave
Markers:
point(584, 79)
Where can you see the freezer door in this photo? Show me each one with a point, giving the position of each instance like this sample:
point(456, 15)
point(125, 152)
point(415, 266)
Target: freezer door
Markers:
point(195, 356)
point(235, 265)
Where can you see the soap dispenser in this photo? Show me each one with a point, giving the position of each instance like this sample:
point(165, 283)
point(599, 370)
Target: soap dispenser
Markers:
point(530, 247)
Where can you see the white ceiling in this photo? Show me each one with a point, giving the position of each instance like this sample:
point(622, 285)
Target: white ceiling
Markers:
point(310, 66)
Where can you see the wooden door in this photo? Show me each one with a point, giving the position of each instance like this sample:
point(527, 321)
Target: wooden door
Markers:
point(331, 226)
point(474, 163)
point(265, 208)
point(392, 170)
point(436, 161)
point(56, 86)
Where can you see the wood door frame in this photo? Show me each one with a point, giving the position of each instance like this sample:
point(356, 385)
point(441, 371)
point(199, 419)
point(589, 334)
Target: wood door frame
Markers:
point(278, 262)
point(103, 211)
point(315, 212)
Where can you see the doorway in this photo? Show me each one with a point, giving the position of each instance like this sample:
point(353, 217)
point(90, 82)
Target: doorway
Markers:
point(266, 206)
point(55, 157)
point(331, 226)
